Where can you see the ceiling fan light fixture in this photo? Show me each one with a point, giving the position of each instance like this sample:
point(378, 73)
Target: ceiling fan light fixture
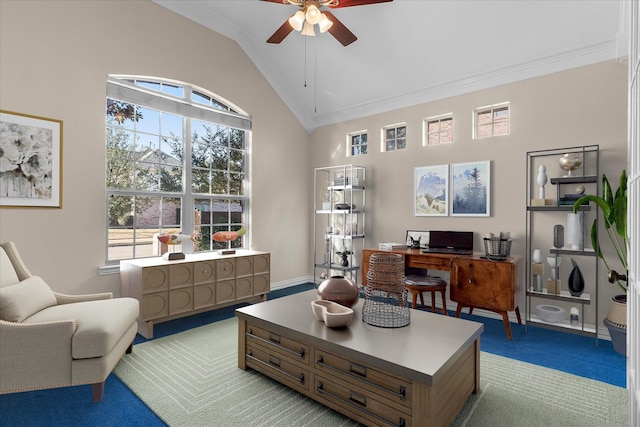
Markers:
point(324, 23)
point(313, 14)
point(308, 29)
point(296, 20)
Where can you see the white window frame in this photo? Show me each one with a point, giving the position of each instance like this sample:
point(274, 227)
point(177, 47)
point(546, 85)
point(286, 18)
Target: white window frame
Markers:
point(220, 113)
point(350, 146)
point(383, 137)
point(425, 129)
point(493, 109)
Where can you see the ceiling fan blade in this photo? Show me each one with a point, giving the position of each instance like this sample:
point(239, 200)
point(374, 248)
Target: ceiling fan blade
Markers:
point(349, 3)
point(276, 1)
point(281, 32)
point(339, 31)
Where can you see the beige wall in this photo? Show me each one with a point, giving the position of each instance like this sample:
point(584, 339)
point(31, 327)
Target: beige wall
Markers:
point(55, 57)
point(577, 107)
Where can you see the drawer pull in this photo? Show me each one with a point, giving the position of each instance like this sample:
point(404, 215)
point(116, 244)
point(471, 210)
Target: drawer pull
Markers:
point(401, 393)
point(358, 369)
point(274, 361)
point(320, 389)
point(275, 338)
point(300, 353)
point(360, 399)
point(250, 356)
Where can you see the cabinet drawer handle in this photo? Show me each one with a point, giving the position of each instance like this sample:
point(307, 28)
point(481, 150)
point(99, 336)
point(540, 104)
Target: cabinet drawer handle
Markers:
point(320, 389)
point(401, 393)
point(360, 399)
point(358, 369)
point(275, 338)
point(271, 341)
point(250, 356)
point(274, 361)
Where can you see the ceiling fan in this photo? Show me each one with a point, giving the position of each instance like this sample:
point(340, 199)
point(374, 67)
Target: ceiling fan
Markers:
point(310, 14)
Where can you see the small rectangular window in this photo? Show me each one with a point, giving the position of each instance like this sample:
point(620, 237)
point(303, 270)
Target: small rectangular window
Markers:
point(438, 130)
point(492, 120)
point(357, 143)
point(394, 137)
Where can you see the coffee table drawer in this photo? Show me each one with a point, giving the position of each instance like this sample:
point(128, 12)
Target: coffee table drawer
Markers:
point(277, 367)
point(397, 390)
point(360, 402)
point(280, 344)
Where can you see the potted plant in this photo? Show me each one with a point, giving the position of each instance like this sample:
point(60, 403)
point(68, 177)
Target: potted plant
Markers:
point(614, 210)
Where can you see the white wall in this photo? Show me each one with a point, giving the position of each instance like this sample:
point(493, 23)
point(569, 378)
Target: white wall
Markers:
point(54, 60)
point(583, 106)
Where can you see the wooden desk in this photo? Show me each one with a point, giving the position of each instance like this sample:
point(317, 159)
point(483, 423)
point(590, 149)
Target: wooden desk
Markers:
point(475, 282)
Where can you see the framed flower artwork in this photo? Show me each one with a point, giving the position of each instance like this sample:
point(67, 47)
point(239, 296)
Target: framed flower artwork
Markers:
point(30, 161)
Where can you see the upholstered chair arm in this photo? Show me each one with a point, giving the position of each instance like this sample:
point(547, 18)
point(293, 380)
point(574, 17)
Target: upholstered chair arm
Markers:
point(67, 299)
point(35, 355)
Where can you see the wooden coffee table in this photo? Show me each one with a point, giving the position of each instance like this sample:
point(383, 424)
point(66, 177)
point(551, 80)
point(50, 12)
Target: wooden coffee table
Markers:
point(418, 375)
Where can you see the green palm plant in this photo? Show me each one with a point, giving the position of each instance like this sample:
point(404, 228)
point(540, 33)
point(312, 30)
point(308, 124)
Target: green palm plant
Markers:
point(614, 210)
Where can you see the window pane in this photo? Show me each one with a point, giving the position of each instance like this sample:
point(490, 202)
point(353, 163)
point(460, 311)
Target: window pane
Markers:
point(176, 91)
point(484, 131)
point(150, 121)
point(200, 98)
point(433, 139)
point(237, 139)
point(363, 138)
point(355, 151)
point(501, 128)
point(402, 143)
point(236, 163)
point(446, 137)
point(483, 117)
point(355, 140)
point(391, 145)
point(433, 127)
point(402, 132)
point(219, 182)
point(236, 184)
point(446, 124)
point(501, 114)
point(363, 149)
point(391, 133)
point(200, 181)
point(171, 125)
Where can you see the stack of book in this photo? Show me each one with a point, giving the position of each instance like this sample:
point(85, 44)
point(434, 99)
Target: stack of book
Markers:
point(346, 181)
point(391, 246)
point(570, 199)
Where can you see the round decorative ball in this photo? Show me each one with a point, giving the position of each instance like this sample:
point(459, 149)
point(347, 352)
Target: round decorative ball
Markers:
point(339, 289)
point(580, 189)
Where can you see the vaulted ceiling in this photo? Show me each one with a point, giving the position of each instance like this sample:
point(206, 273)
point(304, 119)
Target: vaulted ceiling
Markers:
point(410, 51)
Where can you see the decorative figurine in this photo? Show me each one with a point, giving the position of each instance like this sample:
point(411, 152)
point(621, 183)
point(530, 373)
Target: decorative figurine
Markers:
point(542, 180)
point(175, 239)
point(229, 236)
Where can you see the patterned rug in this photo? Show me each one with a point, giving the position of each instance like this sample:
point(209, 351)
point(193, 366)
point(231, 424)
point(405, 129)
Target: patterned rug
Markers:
point(192, 379)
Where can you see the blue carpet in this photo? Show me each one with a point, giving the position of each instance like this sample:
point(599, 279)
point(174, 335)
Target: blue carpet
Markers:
point(73, 406)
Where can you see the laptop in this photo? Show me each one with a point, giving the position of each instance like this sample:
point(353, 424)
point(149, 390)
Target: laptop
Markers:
point(450, 242)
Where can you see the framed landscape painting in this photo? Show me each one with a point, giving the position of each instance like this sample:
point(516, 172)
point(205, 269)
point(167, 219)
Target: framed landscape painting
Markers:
point(470, 189)
point(30, 161)
point(430, 190)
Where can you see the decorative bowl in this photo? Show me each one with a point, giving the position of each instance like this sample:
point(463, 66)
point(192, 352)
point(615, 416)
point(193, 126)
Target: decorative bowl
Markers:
point(570, 162)
point(550, 313)
point(331, 313)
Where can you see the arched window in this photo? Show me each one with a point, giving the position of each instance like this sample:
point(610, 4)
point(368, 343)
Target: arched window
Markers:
point(176, 162)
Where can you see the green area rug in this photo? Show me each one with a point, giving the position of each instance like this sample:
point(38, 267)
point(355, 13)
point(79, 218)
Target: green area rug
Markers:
point(192, 379)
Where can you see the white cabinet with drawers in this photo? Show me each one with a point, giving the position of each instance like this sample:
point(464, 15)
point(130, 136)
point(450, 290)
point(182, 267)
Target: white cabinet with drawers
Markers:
point(201, 282)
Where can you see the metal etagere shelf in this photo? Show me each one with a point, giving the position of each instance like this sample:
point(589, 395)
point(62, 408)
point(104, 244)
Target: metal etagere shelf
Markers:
point(541, 212)
point(339, 221)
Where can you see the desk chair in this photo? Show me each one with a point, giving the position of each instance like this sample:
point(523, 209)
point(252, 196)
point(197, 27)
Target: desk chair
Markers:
point(417, 284)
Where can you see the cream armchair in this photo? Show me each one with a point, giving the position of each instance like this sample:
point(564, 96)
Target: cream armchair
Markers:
point(50, 340)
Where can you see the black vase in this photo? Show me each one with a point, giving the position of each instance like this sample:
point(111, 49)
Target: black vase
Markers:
point(576, 281)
